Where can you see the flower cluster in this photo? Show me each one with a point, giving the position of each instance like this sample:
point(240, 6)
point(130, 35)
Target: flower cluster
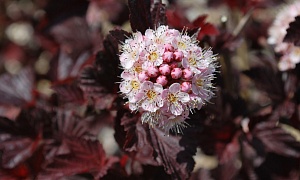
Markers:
point(290, 53)
point(166, 75)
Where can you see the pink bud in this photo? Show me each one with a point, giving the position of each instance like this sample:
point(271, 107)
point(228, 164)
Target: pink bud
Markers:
point(176, 73)
point(165, 69)
point(178, 55)
point(173, 65)
point(169, 47)
point(187, 74)
point(162, 80)
point(143, 76)
point(186, 86)
point(168, 56)
point(152, 71)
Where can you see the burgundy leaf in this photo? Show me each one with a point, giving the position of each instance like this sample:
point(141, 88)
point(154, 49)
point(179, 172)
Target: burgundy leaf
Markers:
point(136, 139)
point(85, 156)
point(140, 16)
point(158, 14)
point(16, 143)
point(17, 149)
point(102, 76)
point(17, 89)
point(152, 146)
point(205, 27)
point(267, 80)
point(293, 32)
point(178, 162)
point(120, 35)
point(178, 21)
point(276, 140)
point(70, 125)
point(68, 91)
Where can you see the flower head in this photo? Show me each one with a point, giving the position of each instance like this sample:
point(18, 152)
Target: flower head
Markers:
point(290, 53)
point(166, 75)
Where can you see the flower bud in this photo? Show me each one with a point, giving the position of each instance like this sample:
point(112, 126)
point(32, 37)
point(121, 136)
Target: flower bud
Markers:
point(165, 69)
point(187, 74)
point(169, 47)
point(178, 55)
point(186, 86)
point(168, 57)
point(176, 73)
point(143, 76)
point(173, 65)
point(162, 80)
point(152, 71)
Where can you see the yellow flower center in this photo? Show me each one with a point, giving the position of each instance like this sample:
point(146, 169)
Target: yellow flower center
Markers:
point(153, 56)
point(172, 98)
point(138, 68)
point(199, 82)
point(151, 94)
point(181, 45)
point(192, 61)
point(135, 85)
point(297, 51)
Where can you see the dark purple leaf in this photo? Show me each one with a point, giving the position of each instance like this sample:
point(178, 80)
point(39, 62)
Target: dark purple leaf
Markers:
point(267, 80)
point(178, 161)
point(140, 16)
point(275, 139)
point(153, 146)
point(158, 14)
point(85, 156)
point(21, 138)
point(120, 35)
point(17, 89)
point(68, 92)
point(16, 150)
point(101, 77)
point(293, 32)
point(70, 125)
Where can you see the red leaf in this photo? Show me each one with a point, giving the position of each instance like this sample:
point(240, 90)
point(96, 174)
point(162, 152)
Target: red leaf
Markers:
point(176, 20)
point(85, 156)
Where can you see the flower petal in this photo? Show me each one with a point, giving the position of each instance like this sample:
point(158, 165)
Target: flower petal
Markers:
point(183, 97)
point(174, 88)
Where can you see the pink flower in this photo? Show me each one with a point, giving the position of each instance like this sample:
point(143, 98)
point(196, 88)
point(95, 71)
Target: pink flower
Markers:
point(174, 123)
point(290, 53)
point(175, 99)
point(166, 75)
point(201, 84)
point(150, 96)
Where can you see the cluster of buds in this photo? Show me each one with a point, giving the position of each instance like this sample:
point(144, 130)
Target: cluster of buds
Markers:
point(166, 75)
